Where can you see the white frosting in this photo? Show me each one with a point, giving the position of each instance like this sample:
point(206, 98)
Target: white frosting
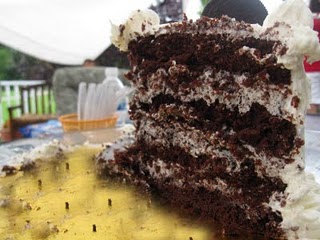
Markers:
point(301, 41)
point(301, 212)
point(139, 22)
point(293, 12)
point(52, 151)
point(44, 152)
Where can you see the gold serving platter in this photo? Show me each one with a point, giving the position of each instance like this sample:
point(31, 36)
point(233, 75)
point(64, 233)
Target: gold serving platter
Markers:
point(64, 199)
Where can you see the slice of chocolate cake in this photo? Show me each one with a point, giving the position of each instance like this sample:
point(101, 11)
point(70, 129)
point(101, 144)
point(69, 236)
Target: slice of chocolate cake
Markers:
point(219, 110)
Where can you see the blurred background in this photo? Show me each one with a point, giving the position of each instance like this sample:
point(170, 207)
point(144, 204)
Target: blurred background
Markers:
point(15, 64)
point(49, 42)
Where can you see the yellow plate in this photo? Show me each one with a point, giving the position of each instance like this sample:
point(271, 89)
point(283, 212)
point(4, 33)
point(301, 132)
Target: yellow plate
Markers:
point(34, 206)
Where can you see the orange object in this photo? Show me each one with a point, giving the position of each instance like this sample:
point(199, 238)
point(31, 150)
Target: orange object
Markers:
point(70, 123)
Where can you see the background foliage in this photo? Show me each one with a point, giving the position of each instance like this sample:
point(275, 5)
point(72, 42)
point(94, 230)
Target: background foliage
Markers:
point(7, 66)
point(15, 65)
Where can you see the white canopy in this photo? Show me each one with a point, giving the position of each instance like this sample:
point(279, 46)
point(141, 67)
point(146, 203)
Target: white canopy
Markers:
point(71, 31)
point(62, 31)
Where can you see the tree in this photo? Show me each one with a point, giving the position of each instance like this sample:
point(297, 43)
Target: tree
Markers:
point(15, 65)
point(7, 65)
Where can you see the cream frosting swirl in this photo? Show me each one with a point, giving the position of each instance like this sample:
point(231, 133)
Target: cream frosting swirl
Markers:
point(139, 22)
point(302, 40)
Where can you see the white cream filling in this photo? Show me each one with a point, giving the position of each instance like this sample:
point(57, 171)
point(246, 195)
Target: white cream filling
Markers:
point(47, 151)
point(273, 98)
point(171, 170)
point(196, 143)
point(164, 170)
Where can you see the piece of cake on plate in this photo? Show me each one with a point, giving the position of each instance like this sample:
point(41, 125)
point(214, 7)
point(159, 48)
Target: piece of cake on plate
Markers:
point(219, 109)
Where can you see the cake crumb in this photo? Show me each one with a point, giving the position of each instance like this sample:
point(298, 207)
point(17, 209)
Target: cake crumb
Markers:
point(94, 228)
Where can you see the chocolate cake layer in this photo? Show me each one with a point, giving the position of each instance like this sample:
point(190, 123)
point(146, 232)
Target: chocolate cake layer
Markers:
point(198, 142)
point(200, 50)
point(197, 57)
point(202, 187)
point(257, 127)
point(237, 91)
point(219, 109)
point(175, 75)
